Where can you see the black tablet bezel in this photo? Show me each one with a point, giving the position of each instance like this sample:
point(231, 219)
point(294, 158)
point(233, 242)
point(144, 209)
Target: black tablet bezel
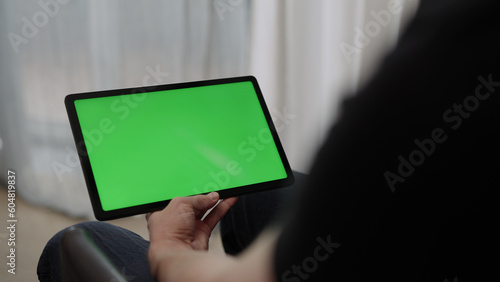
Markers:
point(101, 214)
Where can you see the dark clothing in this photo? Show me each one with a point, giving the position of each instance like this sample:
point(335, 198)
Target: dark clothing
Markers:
point(405, 187)
point(252, 213)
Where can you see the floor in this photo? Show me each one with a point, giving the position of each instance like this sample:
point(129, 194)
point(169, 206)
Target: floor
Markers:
point(36, 225)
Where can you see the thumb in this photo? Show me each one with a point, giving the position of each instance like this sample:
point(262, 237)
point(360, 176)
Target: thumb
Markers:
point(202, 203)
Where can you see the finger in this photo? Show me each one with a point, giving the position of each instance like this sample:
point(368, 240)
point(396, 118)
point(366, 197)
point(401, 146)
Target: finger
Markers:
point(202, 203)
point(219, 211)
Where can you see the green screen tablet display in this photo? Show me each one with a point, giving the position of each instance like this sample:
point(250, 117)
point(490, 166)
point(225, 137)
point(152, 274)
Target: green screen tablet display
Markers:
point(178, 140)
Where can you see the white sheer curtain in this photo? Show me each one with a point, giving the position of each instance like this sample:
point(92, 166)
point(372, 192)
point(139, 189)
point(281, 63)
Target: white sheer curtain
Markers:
point(59, 47)
point(309, 54)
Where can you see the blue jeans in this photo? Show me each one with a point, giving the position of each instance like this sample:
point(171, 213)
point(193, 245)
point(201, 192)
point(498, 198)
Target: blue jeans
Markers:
point(128, 251)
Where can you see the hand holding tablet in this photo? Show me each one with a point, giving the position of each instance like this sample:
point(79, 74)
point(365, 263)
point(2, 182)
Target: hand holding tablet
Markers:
point(141, 147)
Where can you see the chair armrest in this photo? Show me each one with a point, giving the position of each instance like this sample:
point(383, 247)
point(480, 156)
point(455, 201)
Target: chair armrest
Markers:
point(82, 260)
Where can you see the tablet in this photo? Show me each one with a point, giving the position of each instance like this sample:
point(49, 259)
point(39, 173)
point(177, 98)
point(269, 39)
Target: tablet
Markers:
point(141, 147)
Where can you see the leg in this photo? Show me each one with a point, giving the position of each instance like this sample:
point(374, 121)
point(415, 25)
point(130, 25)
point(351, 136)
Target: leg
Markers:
point(251, 214)
point(126, 250)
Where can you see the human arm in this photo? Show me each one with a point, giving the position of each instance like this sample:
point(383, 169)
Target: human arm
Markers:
point(179, 242)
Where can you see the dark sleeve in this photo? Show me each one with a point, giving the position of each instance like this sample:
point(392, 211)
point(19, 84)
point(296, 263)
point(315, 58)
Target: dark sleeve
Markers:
point(404, 188)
